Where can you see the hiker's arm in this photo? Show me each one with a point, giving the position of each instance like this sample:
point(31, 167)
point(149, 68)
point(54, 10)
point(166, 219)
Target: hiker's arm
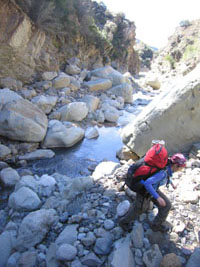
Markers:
point(154, 179)
point(173, 185)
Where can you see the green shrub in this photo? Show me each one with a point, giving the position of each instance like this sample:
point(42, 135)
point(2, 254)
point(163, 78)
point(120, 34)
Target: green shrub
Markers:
point(192, 50)
point(171, 61)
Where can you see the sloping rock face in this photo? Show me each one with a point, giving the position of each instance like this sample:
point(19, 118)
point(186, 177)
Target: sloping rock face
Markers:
point(172, 116)
point(21, 43)
point(181, 54)
point(42, 36)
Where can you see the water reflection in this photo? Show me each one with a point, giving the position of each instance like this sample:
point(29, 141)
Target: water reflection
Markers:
point(76, 160)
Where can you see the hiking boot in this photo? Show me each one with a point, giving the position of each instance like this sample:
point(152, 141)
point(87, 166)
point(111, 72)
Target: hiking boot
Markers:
point(159, 228)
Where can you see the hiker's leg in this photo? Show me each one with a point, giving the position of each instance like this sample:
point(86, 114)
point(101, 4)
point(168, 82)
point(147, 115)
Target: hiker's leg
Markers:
point(162, 211)
point(141, 204)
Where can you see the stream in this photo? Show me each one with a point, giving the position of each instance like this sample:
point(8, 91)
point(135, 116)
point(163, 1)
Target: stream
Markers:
point(81, 159)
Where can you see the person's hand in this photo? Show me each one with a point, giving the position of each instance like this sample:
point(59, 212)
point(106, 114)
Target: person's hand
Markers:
point(161, 202)
point(174, 186)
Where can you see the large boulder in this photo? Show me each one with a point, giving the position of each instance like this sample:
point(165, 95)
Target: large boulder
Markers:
point(173, 116)
point(6, 95)
point(75, 111)
point(45, 103)
point(62, 135)
point(124, 90)
point(21, 120)
point(34, 228)
point(24, 199)
point(92, 102)
point(122, 254)
point(99, 84)
point(109, 73)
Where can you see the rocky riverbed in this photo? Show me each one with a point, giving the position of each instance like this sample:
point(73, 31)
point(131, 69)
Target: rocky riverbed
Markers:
point(51, 216)
point(60, 221)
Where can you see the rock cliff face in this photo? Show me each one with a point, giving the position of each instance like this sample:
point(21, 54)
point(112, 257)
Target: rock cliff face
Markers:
point(41, 36)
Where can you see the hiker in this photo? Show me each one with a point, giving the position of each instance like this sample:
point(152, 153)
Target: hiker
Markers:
point(149, 191)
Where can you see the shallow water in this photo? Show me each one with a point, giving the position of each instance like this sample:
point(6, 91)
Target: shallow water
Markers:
point(75, 161)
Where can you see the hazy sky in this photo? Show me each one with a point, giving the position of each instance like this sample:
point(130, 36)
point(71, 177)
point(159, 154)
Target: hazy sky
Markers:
point(155, 20)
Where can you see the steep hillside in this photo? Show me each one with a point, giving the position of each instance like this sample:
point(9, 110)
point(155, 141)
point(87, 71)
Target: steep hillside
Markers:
point(41, 35)
point(182, 53)
point(146, 54)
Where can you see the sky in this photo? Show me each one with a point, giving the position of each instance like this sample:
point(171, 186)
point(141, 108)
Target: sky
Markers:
point(155, 20)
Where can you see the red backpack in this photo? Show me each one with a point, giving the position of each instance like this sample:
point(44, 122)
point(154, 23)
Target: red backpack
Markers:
point(155, 159)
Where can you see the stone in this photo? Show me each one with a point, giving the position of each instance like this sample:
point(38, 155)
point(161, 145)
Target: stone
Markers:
point(24, 200)
point(4, 151)
point(6, 247)
point(125, 154)
point(111, 114)
point(124, 90)
point(10, 83)
point(44, 85)
point(63, 80)
point(66, 252)
point(153, 256)
point(91, 260)
point(51, 256)
point(194, 258)
point(189, 196)
point(168, 117)
point(34, 228)
point(103, 246)
point(99, 116)
point(6, 96)
point(45, 103)
point(89, 239)
point(109, 224)
point(137, 235)
point(13, 259)
point(61, 135)
point(153, 82)
point(170, 260)
point(92, 102)
point(21, 120)
point(109, 73)
point(105, 168)
point(47, 185)
point(75, 111)
point(3, 165)
point(28, 258)
point(122, 254)
point(68, 235)
point(49, 75)
point(28, 93)
point(91, 132)
point(123, 208)
point(9, 177)
point(72, 69)
point(38, 154)
point(99, 84)
point(27, 181)
point(74, 85)
point(75, 186)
